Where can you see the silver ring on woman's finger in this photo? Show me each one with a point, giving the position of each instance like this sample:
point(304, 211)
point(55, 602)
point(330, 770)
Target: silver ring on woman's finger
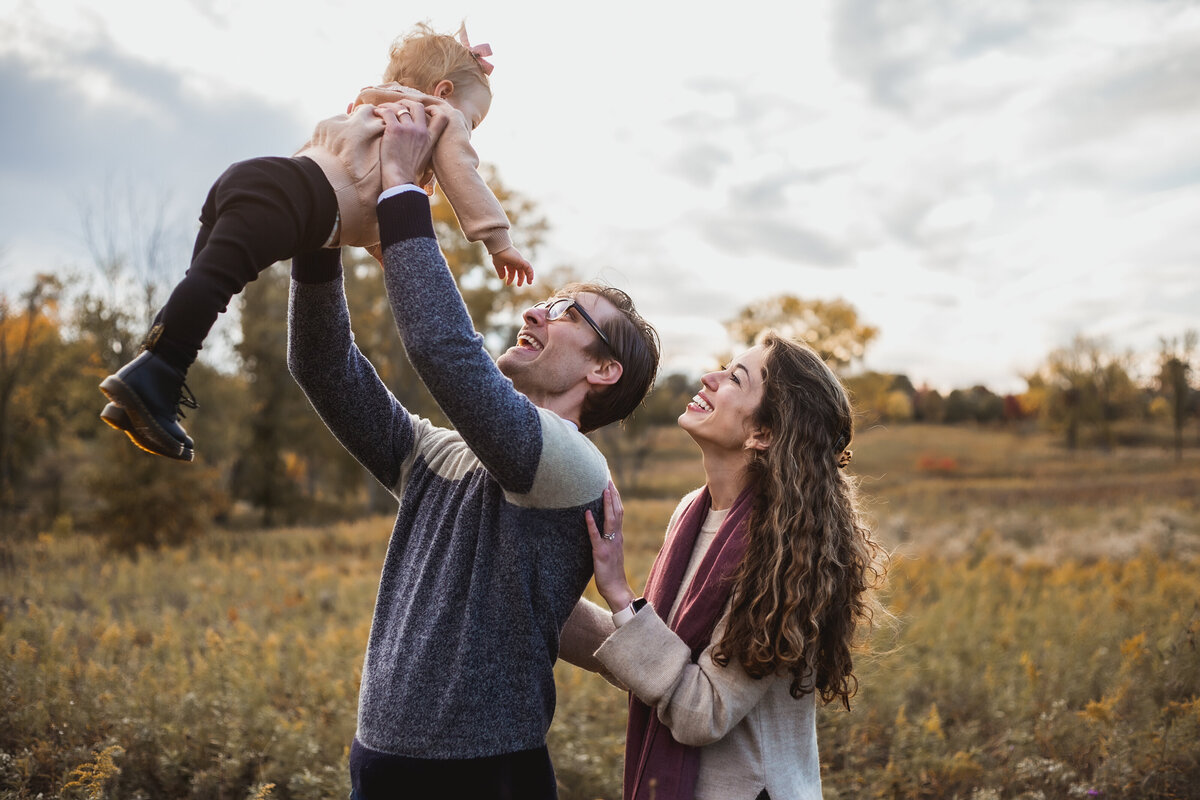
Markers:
point(608, 537)
point(402, 112)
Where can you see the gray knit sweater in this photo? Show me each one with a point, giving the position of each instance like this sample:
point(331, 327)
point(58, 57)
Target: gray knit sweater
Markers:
point(489, 552)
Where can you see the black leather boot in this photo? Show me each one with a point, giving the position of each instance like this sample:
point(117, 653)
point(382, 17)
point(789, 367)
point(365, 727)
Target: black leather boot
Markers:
point(152, 392)
point(115, 416)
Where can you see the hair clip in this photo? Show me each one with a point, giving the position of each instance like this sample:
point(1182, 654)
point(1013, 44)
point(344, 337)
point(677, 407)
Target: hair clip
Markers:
point(478, 51)
point(844, 459)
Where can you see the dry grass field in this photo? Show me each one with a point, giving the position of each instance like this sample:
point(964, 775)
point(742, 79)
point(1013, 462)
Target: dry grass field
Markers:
point(1046, 607)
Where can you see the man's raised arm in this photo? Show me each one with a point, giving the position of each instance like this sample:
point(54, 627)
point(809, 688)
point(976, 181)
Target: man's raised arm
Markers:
point(500, 424)
point(337, 378)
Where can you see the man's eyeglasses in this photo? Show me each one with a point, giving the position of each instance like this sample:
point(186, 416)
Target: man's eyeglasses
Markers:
point(557, 307)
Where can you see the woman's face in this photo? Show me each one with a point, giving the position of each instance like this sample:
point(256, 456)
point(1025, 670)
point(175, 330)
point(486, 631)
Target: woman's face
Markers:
point(721, 413)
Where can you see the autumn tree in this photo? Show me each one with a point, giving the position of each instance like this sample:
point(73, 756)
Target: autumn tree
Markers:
point(29, 341)
point(1086, 385)
point(277, 414)
point(881, 397)
point(1174, 381)
point(138, 250)
point(928, 405)
point(831, 327)
point(138, 500)
point(977, 404)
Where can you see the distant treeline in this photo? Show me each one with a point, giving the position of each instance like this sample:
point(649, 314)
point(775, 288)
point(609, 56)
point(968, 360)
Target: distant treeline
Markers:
point(1085, 391)
point(262, 455)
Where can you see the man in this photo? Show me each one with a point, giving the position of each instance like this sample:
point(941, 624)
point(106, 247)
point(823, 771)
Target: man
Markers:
point(489, 554)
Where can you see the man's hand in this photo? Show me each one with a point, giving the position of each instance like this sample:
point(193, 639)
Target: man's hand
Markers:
point(511, 265)
point(409, 134)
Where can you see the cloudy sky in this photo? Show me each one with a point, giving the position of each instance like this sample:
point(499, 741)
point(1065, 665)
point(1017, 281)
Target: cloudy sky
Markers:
point(982, 182)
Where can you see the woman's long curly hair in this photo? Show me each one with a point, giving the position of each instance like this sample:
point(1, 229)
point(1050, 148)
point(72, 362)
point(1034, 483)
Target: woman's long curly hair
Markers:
point(803, 595)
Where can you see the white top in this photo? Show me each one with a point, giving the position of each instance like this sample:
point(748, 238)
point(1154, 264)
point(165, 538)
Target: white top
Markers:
point(708, 532)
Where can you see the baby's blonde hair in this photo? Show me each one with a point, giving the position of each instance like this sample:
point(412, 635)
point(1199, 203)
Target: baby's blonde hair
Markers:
point(423, 58)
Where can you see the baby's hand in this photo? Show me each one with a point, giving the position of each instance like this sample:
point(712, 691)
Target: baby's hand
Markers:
point(378, 95)
point(511, 265)
point(391, 93)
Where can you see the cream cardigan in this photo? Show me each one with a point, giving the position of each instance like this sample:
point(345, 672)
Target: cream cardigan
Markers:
point(346, 148)
point(752, 733)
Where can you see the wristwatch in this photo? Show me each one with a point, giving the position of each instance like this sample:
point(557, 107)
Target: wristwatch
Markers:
point(626, 613)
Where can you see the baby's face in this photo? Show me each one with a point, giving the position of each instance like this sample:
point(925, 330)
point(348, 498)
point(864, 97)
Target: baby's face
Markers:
point(473, 100)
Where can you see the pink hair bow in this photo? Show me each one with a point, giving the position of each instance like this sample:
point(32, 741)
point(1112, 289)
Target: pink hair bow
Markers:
point(479, 51)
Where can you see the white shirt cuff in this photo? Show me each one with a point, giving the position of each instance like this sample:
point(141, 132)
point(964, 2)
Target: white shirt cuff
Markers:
point(404, 187)
point(624, 615)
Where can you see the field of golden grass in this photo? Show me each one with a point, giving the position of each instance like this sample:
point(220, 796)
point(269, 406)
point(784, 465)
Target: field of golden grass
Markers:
point(1046, 610)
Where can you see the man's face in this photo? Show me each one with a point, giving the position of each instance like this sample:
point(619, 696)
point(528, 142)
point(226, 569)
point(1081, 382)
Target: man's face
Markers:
point(551, 356)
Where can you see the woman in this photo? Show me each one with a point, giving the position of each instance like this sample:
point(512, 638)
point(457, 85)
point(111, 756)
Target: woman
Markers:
point(753, 605)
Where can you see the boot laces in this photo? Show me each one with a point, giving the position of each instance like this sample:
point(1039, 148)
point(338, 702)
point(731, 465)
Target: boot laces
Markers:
point(185, 400)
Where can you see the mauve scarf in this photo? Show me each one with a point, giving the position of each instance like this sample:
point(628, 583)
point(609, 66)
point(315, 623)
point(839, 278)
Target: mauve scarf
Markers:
point(651, 752)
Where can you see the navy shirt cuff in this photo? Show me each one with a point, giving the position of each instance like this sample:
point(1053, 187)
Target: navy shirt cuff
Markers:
point(317, 266)
point(404, 216)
